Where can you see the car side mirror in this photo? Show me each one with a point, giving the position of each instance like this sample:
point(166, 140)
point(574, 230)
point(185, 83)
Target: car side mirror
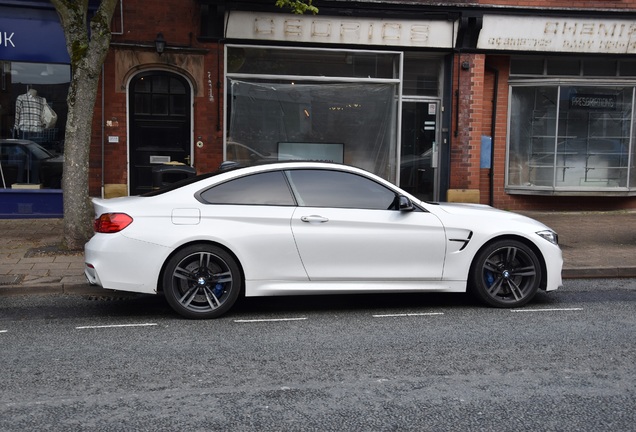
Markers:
point(405, 204)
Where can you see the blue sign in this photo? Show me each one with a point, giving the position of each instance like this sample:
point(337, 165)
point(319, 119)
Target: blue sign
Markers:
point(486, 152)
point(32, 40)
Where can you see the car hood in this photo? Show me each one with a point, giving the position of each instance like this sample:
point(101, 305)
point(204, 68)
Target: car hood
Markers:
point(481, 212)
point(468, 209)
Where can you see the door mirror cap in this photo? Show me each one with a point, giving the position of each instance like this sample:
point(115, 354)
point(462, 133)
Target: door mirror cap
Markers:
point(406, 204)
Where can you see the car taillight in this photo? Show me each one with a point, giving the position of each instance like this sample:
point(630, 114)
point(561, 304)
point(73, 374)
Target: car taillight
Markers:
point(109, 223)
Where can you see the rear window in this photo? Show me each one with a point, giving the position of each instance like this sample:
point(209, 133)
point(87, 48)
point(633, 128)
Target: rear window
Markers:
point(269, 188)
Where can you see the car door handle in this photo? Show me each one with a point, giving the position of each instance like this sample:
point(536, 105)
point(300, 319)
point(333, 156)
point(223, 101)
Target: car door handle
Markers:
point(314, 219)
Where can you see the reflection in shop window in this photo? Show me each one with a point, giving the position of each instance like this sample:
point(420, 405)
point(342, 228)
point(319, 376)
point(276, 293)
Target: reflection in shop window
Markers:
point(571, 138)
point(33, 109)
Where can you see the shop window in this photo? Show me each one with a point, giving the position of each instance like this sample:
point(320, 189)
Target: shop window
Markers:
point(535, 67)
point(563, 66)
point(33, 108)
point(627, 68)
point(421, 75)
point(357, 120)
point(527, 66)
point(319, 104)
point(571, 139)
point(599, 68)
point(298, 62)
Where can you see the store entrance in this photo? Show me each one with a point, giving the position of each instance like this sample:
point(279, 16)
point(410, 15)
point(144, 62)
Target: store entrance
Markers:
point(159, 126)
point(419, 155)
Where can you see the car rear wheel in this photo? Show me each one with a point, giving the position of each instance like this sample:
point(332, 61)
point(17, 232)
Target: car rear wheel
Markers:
point(202, 281)
point(506, 273)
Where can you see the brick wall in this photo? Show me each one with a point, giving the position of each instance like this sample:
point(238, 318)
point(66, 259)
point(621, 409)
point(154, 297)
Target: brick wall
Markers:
point(178, 21)
point(467, 124)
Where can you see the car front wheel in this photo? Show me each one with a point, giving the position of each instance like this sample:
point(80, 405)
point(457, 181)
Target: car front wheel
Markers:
point(506, 273)
point(202, 281)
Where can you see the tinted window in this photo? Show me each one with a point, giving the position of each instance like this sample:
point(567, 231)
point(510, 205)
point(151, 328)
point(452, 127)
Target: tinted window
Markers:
point(317, 188)
point(259, 189)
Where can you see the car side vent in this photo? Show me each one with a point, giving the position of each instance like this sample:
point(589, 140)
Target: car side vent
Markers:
point(465, 241)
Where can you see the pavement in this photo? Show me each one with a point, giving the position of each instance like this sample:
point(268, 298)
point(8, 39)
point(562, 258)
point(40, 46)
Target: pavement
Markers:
point(594, 244)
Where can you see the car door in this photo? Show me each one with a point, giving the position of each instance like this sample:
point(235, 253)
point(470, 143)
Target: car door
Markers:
point(251, 215)
point(348, 227)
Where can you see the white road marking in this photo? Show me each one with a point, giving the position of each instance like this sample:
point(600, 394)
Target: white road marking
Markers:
point(3, 331)
point(546, 310)
point(116, 326)
point(408, 314)
point(269, 320)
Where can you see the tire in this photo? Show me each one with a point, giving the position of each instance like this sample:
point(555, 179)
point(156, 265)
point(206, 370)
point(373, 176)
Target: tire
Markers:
point(506, 273)
point(202, 281)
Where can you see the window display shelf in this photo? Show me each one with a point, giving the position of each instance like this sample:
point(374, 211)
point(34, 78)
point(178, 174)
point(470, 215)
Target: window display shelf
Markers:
point(583, 151)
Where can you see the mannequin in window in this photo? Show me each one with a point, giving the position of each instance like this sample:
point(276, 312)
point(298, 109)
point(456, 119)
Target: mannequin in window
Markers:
point(28, 114)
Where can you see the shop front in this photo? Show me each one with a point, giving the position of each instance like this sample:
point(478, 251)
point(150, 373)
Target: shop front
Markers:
point(34, 80)
point(570, 112)
point(360, 91)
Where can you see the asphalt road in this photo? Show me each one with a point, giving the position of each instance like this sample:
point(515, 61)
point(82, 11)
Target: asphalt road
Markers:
point(566, 362)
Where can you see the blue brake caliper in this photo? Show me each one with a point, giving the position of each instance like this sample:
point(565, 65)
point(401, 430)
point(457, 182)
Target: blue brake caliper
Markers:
point(490, 278)
point(218, 290)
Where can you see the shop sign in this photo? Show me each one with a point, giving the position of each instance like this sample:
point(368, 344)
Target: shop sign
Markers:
point(32, 40)
point(577, 35)
point(340, 30)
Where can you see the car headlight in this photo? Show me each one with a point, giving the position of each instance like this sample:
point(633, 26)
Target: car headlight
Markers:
point(550, 236)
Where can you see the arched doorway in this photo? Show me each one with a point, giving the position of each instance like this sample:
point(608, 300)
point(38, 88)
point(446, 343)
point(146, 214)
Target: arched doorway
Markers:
point(160, 125)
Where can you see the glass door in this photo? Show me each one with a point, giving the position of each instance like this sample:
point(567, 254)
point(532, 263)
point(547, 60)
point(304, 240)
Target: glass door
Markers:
point(419, 154)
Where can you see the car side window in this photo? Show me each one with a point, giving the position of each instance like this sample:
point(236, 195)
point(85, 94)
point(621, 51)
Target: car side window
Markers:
point(269, 188)
point(322, 188)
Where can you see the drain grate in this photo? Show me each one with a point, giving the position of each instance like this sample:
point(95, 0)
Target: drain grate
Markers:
point(10, 279)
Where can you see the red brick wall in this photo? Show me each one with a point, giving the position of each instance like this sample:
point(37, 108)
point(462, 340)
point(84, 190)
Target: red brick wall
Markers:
point(467, 124)
point(178, 21)
point(115, 160)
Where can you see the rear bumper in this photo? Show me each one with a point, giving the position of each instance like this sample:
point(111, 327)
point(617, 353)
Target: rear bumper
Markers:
point(116, 262)
point(91, 275)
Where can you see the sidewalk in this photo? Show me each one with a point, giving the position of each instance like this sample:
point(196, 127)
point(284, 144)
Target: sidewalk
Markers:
point(594, 244)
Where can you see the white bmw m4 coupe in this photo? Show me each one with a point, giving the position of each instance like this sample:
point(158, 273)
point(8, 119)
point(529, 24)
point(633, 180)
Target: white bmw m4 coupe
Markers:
point(293, 228)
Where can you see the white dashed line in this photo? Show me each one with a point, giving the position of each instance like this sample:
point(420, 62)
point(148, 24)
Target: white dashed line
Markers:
point(116, 326)
point(3, 331)
point(408, 314)
point(546, 310)
point(269, 320)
